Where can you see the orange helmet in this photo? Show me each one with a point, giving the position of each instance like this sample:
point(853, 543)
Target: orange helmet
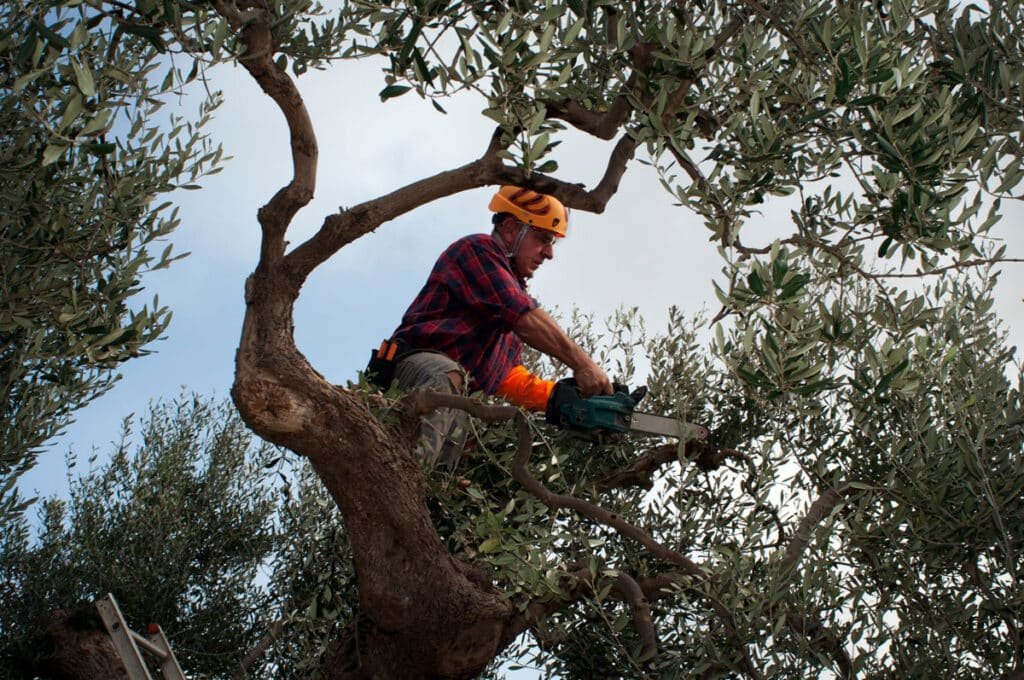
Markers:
point(537, 210)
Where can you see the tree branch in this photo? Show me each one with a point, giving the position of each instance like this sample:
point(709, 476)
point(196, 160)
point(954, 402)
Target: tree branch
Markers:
point(346, 226)
point(641, 472)
point(821, 508)
point(633, 594)
point(420, 402)
point(701, 181)
point(576, 195)
point(554, 501)
point(581, 583)
point(817, 634)
point(823, 639)
point(272, 635)
point(253, 26)
point(605, 125)
point(1004, 612)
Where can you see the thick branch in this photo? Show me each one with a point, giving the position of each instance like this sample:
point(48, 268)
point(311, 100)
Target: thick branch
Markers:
point(340, 229)
point(344, 227)
point(641, 472)
point(601, 125)
point(272, 635)
point(819, 510)
point(421, 402)
point(606, 124)
point(575, 195)
point(816, 633)
point(631, 591)
point(253, 27)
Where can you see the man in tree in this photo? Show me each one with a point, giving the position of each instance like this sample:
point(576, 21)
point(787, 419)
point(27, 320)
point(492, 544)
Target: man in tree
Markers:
point(474, 314)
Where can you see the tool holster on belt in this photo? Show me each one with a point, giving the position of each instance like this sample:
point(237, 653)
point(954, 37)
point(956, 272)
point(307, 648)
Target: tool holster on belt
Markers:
point(381, 369)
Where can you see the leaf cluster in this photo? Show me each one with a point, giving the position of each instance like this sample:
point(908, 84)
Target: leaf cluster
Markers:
point(86, 156)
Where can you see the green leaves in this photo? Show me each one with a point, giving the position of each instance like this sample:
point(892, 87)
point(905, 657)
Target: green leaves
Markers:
point(85, 164)
point(152, 34)
point(53, 152)
point(84, 79)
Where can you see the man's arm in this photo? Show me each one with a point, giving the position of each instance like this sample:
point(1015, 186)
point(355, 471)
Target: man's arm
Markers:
point(538, 330)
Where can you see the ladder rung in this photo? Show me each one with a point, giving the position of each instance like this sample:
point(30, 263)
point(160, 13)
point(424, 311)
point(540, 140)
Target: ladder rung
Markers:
point(148, 645)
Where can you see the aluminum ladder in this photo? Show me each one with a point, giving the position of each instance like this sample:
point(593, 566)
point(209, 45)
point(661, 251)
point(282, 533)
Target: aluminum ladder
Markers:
point(130, 645)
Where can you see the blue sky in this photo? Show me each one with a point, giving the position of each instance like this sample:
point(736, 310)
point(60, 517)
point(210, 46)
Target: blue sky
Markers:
point(641, 252)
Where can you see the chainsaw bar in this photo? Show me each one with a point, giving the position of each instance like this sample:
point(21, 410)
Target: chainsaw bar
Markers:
point(666, 427)
point(613, 413)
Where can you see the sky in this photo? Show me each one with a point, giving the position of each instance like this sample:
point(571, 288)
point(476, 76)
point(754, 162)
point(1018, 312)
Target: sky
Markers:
point(642, 251)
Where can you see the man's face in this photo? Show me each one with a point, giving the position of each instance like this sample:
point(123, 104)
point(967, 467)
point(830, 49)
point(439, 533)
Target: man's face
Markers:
point(537, 246)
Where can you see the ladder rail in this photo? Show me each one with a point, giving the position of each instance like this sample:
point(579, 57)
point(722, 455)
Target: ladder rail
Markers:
point(168, 663)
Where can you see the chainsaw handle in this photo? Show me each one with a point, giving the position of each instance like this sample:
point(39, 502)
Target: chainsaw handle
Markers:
point(566, 392)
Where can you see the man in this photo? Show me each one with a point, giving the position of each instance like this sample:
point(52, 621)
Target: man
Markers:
point(469, 322)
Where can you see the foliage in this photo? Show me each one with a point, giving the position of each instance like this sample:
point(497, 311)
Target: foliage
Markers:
point(862, 515)
point(918, 568)
point(175, 525)
point(86, 156)
point(917, 565)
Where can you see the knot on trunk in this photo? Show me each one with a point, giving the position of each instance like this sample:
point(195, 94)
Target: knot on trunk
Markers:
point(271, 408)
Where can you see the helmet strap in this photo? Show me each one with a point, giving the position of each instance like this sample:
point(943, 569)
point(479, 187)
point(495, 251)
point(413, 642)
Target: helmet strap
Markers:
point(510, 253)
point(523, 228)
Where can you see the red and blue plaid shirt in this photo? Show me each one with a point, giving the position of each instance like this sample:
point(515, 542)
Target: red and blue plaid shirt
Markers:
point(467, 309)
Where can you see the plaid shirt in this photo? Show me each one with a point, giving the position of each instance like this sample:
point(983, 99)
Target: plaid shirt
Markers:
point(467, 308)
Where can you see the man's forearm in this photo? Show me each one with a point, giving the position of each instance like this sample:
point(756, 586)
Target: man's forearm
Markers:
point(538, 330)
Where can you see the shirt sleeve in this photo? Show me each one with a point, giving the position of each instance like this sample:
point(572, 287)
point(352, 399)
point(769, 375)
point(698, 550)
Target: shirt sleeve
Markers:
point(524, 389)
point(485, 283)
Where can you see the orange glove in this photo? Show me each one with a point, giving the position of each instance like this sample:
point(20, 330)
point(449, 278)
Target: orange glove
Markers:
point(524, 389)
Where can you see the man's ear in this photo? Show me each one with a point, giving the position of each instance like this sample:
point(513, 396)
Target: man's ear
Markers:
point(502, 229)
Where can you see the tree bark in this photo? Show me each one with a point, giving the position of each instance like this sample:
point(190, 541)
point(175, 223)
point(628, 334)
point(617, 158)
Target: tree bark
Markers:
point(78, 648)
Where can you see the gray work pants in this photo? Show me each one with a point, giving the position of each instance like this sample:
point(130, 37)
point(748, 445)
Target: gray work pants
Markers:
point(442, 432)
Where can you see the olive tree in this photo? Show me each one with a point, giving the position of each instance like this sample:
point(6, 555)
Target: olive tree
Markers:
point(175, 524)
point(786, 544)
point(86, 161)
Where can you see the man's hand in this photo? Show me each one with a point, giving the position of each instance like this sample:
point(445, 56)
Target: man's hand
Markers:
point(592, 380)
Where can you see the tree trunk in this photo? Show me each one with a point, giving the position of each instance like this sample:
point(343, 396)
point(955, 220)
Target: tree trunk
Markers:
point(78, 648)
point(420, 616)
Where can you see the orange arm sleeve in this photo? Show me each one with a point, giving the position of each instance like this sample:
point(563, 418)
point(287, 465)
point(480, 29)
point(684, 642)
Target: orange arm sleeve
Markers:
point(524, 389)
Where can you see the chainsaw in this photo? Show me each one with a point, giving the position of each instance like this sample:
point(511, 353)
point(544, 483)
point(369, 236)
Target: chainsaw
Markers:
point(613, 414)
